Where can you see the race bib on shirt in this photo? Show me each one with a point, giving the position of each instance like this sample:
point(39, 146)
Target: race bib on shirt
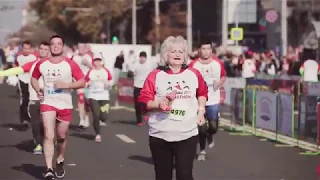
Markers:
point(98, 87)
point(51, 90)
point(179, 110)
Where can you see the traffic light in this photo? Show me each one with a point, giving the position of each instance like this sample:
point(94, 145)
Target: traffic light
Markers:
point(115, 40)
point(64, 12)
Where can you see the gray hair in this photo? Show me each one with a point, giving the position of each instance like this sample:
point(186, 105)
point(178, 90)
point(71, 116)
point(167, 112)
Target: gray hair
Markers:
point(167, 45)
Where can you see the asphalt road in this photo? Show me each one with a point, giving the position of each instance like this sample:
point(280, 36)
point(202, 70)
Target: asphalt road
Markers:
point(124, 153)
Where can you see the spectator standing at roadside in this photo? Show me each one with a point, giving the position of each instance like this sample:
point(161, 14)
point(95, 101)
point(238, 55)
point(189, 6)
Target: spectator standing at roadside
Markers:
point(118, 66)
point(141, 70)
point(310, 70)
point(248, 66)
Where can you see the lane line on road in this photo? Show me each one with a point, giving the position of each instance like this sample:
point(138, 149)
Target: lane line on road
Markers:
point(125, 138)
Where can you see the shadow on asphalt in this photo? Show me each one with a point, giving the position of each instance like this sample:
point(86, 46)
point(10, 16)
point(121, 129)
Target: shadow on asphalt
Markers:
point(17, 127)
point(26, 146)
point(133, 123)
point(32, 170)
point(144, 159)
point(89, 137)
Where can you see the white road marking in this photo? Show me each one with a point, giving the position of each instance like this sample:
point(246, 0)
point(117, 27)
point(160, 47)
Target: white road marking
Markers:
point(226, 113)
point(71, 164)
point(125, 138)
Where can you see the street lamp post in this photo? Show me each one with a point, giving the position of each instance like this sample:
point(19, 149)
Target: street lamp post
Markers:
point(189, 25)
point(134, 22)
point(157, 19)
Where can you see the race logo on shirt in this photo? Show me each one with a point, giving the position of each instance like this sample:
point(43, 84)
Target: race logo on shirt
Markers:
point(181, 87)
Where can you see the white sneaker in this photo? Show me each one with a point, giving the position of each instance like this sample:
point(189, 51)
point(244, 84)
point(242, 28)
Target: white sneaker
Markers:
point(103, 123)
point(81, 123)
point(211, 145)
point(86, 123)
point(202, 156)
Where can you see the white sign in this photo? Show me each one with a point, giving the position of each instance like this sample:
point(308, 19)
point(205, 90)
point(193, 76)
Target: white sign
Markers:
point(266, 111)
point(242, 11)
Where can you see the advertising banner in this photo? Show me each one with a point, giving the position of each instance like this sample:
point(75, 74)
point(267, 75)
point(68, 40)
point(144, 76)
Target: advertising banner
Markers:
point(266, 110)
point(285, 111)
point(125, 90)
point(228, 85)
point(311, 88)
point(308, 123)
point(249, 107)
point(258, 84)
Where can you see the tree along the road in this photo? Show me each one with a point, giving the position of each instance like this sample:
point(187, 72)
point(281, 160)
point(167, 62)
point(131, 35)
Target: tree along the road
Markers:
point(78, 25)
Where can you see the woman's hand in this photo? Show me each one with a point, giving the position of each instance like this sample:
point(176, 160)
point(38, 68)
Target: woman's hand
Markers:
point(164, 104)
point(201, 120)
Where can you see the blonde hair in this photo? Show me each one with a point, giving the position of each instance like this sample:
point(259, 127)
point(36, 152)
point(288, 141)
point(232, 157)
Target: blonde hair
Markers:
point(167, 45)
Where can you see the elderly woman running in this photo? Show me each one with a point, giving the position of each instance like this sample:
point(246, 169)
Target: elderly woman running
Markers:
point(174, 96)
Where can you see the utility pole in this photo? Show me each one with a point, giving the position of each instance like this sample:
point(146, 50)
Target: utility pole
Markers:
point(224, 23)
point(157, 19)
point(134, 22)
point(284, 27)
point(189, 25)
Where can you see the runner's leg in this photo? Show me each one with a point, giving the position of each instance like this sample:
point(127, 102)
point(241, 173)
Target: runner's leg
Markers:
point(49, 123)
point(64, 117)
point(96, 111)
point(34, 108)
point(24, 102)
point(213, 123)
point(137, 106)
point(203, 130)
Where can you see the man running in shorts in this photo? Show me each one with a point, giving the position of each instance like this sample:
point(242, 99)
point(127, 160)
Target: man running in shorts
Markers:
point(34, 103)
point(213, 72)
point(84, 60)
point(57, 73)
point(22, 58)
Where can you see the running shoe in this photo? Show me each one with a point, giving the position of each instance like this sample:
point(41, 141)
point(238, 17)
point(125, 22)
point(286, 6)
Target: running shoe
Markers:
point(202, 156)
point(59, 171)
point(49, 175)
point(98, 138)
point(210, 141)
point(103, 123)
point(37, 149)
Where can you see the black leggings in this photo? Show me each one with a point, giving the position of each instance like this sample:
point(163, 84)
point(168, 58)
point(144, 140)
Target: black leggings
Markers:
point(167, 155)
point(36, 123)
point(100, 110)
point(207, 131)
point(137, 105)
point(24, 101)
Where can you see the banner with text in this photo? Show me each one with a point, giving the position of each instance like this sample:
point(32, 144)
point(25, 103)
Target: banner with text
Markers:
point(125, 90)
point(285, 114)
point(266, 110)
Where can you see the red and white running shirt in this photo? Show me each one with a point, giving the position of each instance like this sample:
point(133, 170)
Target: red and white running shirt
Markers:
point(81, 59)
point(22, 60)
point(181, 122)
point(211, 73)
point(63, 71)
point(310, 70)
point(97, 78)
point(28, 68)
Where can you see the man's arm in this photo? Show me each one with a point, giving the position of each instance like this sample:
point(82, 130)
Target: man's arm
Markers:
point(78, 76)
point(36, 74)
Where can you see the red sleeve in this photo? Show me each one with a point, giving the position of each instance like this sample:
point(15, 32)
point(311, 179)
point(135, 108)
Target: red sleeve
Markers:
point(36, 71)
point(75, 69)
point(109, 74)
point(192, 63)
point(318, 67)
point(27, 67)
point(86, 78)
point(222, 69)
point(148, 90)
point(16, 63)
point(202, 85)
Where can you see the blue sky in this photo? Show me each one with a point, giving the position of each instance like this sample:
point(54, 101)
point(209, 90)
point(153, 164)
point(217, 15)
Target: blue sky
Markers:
point(11, 17)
